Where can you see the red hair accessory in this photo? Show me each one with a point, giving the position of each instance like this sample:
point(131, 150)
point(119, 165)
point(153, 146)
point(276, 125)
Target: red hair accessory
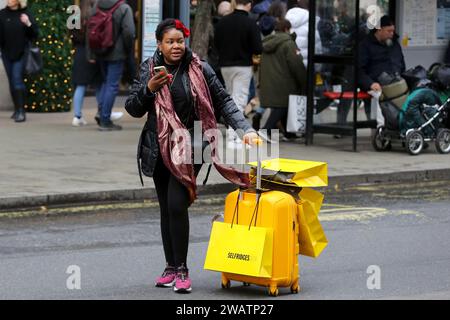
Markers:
point(180, 26)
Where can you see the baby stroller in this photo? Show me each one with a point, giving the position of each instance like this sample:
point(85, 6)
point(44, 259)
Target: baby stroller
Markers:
point(422, 118)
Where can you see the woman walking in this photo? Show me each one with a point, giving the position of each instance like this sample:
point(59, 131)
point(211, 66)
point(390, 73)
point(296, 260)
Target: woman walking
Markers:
point(282, 74)
point(17, 29)
point(190, 91)
point(84, 72)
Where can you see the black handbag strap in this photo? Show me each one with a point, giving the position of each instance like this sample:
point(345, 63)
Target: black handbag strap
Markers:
point(139, 160)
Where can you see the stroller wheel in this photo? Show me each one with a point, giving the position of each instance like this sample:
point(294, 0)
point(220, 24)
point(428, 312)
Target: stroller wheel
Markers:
point(414, 142)
point(380, 142)
point(443, 141)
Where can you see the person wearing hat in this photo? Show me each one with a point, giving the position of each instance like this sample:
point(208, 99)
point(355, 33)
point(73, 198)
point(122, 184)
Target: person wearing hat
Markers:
point(380, 52)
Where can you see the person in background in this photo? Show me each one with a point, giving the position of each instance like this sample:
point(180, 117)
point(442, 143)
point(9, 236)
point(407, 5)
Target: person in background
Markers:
point(18, 29)
point(282, 74)
point(299, 19)
point(380, 52)
point(85, 72)
point(267, 23)
point(237, 39)
point(113, 62)
point(167, 102)
point(292, 4)
point(223, 9)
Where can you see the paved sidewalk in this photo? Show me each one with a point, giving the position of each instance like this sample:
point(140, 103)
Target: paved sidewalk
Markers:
point(47, 161)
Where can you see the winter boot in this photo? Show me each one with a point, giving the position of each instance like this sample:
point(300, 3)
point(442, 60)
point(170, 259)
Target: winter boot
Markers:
point(20, 114)
point(16, 106)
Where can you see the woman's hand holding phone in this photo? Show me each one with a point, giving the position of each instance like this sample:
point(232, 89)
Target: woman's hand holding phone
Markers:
point(161, 78)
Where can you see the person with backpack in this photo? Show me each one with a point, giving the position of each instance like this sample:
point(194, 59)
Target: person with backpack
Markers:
point(17, 29)
point(174, 89)
point(111, 34)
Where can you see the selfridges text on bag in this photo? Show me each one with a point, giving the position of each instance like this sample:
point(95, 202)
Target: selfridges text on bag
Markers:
point(296, 121)
point(240, 249)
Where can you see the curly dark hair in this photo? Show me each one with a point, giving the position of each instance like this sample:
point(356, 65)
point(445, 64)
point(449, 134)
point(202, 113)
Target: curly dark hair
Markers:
point(163, 27)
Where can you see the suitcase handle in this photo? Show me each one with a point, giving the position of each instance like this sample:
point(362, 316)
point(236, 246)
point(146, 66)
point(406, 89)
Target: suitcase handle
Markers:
point(258, 142)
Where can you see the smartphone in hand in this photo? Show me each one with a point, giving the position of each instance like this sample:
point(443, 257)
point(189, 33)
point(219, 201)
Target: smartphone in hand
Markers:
point(161, 69)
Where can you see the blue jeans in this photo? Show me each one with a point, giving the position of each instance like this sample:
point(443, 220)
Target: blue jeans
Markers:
point(78, 100)
point(15, 73)
point(112, 73)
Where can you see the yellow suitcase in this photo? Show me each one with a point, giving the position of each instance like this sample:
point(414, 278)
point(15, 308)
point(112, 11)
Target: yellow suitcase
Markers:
point(277, 210)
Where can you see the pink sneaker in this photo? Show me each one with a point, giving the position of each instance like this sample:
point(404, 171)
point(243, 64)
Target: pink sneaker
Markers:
point(167, 279)
point(182, 281)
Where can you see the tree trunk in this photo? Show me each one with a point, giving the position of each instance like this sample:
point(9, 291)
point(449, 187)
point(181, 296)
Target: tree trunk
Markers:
point(203, 29)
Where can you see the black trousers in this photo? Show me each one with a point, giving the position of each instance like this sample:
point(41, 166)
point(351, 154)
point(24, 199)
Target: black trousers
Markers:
point(173, 198)
point(277, 115)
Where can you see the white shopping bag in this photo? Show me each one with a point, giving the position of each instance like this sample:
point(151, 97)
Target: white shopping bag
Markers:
point(297, 114)
point(375, 110)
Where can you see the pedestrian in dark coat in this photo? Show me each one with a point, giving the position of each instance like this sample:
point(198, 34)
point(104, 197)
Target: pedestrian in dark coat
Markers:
point(237, 39)
point(282, 73)
point(172, 101)
point(85, 72)
point(380, 52)
point(17, 29)
point(113, 62)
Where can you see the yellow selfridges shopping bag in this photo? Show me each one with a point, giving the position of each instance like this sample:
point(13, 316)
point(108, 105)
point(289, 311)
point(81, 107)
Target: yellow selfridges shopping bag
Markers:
point(299, 172)
point(240, 250)
point(312, 239)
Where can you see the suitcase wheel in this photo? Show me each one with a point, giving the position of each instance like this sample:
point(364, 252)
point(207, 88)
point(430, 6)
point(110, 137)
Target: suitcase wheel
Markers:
point(295, 288)
point(246, 284)
point(273, 291)
point(226, 284)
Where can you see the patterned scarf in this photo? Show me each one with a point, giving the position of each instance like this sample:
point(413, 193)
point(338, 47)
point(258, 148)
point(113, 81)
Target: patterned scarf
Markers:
point(173, 153)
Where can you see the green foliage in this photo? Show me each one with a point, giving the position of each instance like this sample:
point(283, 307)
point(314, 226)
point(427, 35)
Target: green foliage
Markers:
point(51, 91)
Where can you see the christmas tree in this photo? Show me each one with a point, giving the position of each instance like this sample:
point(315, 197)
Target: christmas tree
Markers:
point(51, 90)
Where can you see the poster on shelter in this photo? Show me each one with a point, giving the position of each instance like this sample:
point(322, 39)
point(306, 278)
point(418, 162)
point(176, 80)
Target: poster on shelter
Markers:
point(152, 15)
point(443, 21)
point(420, 22)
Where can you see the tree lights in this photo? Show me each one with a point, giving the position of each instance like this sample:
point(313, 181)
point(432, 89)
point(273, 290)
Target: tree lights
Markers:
point(51, 91)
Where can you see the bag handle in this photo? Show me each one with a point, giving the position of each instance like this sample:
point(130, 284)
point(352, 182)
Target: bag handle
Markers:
point(258, 142)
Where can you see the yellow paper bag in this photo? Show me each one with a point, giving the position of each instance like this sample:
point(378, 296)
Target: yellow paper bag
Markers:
point(302, 173)
point(312, 239)
point(240, 250)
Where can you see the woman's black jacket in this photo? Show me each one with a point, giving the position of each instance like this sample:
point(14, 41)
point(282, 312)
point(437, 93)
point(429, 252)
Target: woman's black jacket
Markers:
point(141, 102)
